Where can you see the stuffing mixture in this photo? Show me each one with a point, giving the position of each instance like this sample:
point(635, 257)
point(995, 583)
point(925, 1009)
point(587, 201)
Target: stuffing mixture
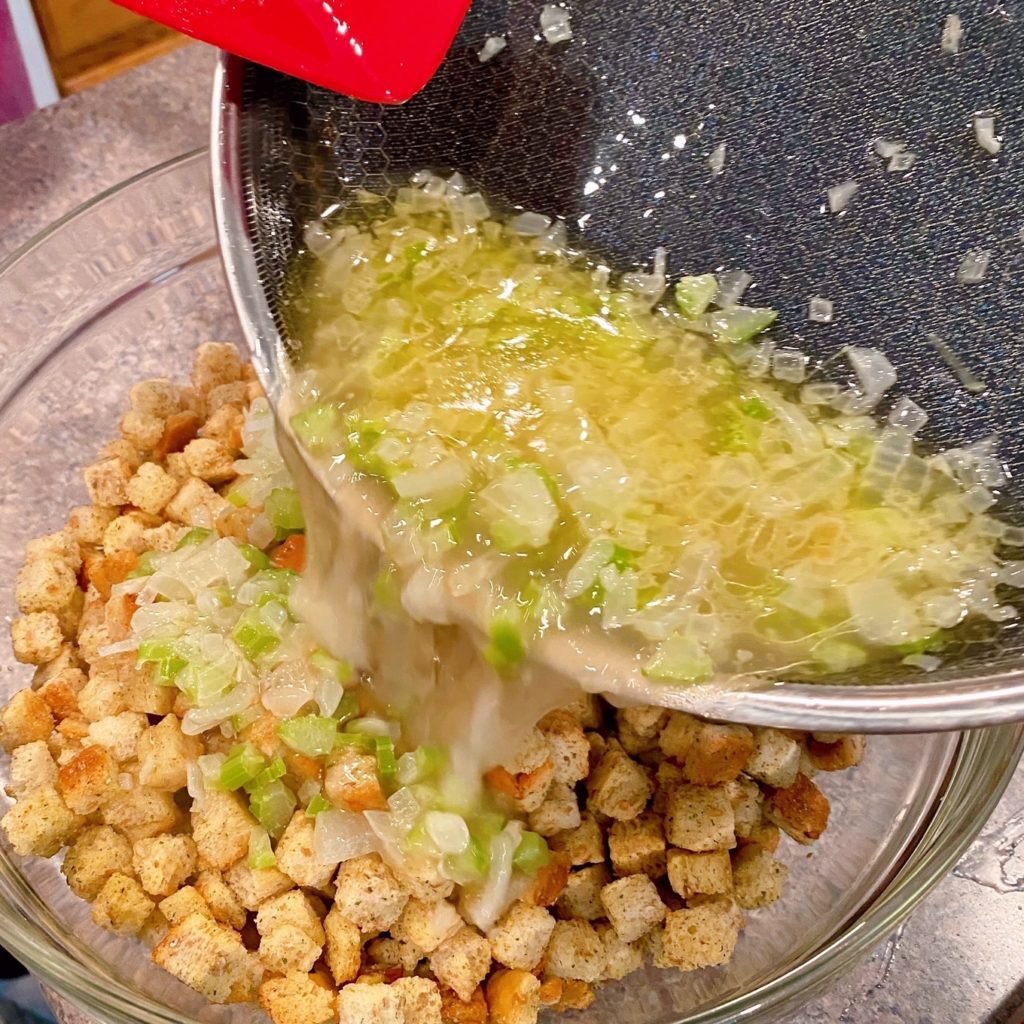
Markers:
point(229, 793)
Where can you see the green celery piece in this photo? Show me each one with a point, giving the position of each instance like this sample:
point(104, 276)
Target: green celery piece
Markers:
point(318, 805)
point(756, 408)
point(356, 739)
point(145, 566)
point(507, 647)
point(253, 635)
point(197, 535)
point(694, 294)
point(431, 761)
point(347, 709)
point(237, 498)
point(312, 735)
point(256, 558)
point(679, 659)
point(272, 805)
point(275, 770)
point(471, 865)
point(165, 658)
point(330, 666)
point(387, 763)
point(318, 428)
point(261, 855)
point(926, 644)
point(244, 764)
point(838, 655)
point(284, 509)
point(531, 854)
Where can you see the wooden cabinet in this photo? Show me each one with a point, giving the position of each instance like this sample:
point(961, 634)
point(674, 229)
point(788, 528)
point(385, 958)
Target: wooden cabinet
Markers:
point(90, 40)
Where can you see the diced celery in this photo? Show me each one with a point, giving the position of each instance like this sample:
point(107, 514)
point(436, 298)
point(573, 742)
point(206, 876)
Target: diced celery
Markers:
point(519, 509)
point(417, 840)
point(387, 763)
point(323, 662)
point(679, 659)
point(926, 644)
point(254, 635)
point(622, 558)
point(261, 854)
point(836, 655)
point(361, 439)
point(165, 657)
point(386, 592)
point(312, 735)
point(197, 535)
point(256, 558)
point(284, 510)
point(318, 805)
point(244, 764)
point(318, 427)
point(471, 865)
point(347, 709)
point(275, 770)
point(487, 824)
point(756, 408)
point(694, 294)
point(531, 854)
point(144, 567)
point(507, 647)
point(741, 323)
point(356, 739)
point(430, 761)
point(272, 806)
point(237, 498)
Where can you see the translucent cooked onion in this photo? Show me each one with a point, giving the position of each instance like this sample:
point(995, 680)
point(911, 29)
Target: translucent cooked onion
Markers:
point(839, 196)
point(973, 267)
point(952, 34)
point(493, 45)
point(985, 133)
point(339, 836)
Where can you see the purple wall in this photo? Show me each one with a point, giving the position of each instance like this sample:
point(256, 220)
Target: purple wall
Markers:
point(16, 98)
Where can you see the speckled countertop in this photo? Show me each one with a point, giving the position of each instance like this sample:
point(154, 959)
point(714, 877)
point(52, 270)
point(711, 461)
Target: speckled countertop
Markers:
point(959, 959)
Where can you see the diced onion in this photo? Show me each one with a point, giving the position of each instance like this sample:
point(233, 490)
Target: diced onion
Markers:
point(952, 34)
point(973, 267)
point(339, 836)
point(493, 45)
point(789, 364)
point(907, 414)
point(554, 24)
point(985, 134)
point(839, 196)
point(448, 832)
point(731, 286)
point(716, 159)
point(529, 224)
point(899, 162)
point(819, 310)
point(925, 662)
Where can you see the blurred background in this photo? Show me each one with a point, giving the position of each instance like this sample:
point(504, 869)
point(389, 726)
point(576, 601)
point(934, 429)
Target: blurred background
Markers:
point(53, 48)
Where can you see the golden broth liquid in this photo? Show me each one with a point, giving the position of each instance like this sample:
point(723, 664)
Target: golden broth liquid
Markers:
point(573, 461)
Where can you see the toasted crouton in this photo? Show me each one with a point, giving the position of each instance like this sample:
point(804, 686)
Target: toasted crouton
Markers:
point(717, 753)
point(196, 504)
point(292, 908)
point(32, 767)
point(700, 818)
point(216, 363)
point(221, 827)
point(513, 997)
point(633, 906)
point(368, 894)
point(182, 903)
point(567, 745)
point(61, 690)
point(151, 487)
point(157, 397)
point(703, 935)
point(121, 905)
point(126, 533)
point(344, 947)
point(621, 958)
point(107, 481)
point(427, 923)
point(45, 585)
point(775, 759)
point(234, 393)
point(120, 733)
point(801, 810)
point(618, 786)
point(391, 956)
point(747, 803)
point(141, 812)
point(164, 863)
point(421, 1000)
point(93, 857)
point(252, 887)
point(295, 855)
point(699, 874)
point(645, 720)
point(142, 430)
point(88, 779)
point(587, 709)
point(845, 752)
point(519, 939)
point(677, 735)
point(210, 460)
point(581, 897)
point(103, 694)
point(575, 950)
point(559, 811)
point(36, 638)
point(40, 824)
point(549, 882)
point(758, 878)
point(526, 789)
point(369, 1004)
point(223, 903)
point(287, 949)
point(211, 959)
point(638, 846)
point(86, 523)
point(164, 754)
point(462, 961)
point(464, 1011)
point(583, 844)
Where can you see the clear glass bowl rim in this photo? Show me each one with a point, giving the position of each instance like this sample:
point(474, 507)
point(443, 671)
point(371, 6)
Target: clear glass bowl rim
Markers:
point(984, 764)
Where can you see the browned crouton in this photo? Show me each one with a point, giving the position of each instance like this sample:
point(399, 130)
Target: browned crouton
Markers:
point(638, 846)
point(775, 759)
point(253, 886)
point(549, 882)
point(717, 753)
point(25, 719)
point(621, 958)
point(427, 924)
point(703, 935)
point(141, 812)
point(32, 767)
point(618, 786)
point(633, 906)
point(107, 481)
point(559, 811)
point(677, 735)
point(93, 857)
point(463, 1011)
point(296, 998)
point(519, 939)
point(801, 810)
point(223, 903)
point(846, 752)
point(462, 961)
point(45, 585)
point(157, 397)
point(121, 906)
point(164, 863)
point(526, 789)
point(151, 487)
point(40, 824)
point(216, 363)
point(344, 947)
point(196, 504)
point(368, 894)
point(37, 637)
point(88, 779)
point(581, 897)
point(295, 855)
point(700, 818)
point(119, 734)
point(758, 878)
point(576, 995)
point(747, 802)
point(210, 959)
point(221, 827)
point(699, 874)
point(142, 430)
point(513, 997)
point(86, 523)
point(210, 460)
point(583, 844)
point(391, 956)
point(587, 710)
point(567, 745)
point(182, 903)
point(287, 949)
point(164, 753)
point(575, 951)
point(370, 1004)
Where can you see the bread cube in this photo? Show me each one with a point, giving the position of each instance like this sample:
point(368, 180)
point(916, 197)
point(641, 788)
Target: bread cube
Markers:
point(567, 747)
point(164, 863)
point(633, 906)
point(88, 780)
point(40, 824)
point(121, 905)
point(638, 846)
point(252, 887)
point(583, 844)
point(141, 812)
point(699, 874)
point(181, 904)
point(618, 787)
point(462, 961)
point(368, 894)
point(801, 810)
point(758, 878)
point(559, 811)
point(519, 939)
point(221, 827)
point(775, 759)
point(97, 854)
point(513, 997)
point(575, 951)
point(427, 923)
point(344, 947)
point(32, 767)
point(295, 856)
point(717, 753)
point(218, 896)
point(581, 897)
point(700, 818)
point(703, 935)
point(164, 754)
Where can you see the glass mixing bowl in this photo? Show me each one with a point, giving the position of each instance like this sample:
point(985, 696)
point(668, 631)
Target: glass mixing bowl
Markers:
point(125, 289)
